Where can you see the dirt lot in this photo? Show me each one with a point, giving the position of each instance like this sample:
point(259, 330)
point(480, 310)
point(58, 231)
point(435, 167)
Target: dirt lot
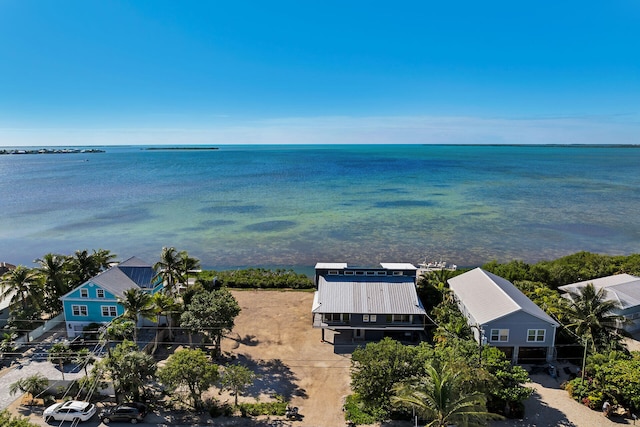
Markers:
point(274, 334)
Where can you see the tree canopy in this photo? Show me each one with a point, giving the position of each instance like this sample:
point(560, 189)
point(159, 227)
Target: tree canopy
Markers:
point(190, 369)
point(236, 378)
point(211, 314)
point(376, 368)
point(129, 369)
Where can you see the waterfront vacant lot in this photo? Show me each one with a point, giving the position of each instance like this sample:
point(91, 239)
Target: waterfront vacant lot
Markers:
point(273, 334)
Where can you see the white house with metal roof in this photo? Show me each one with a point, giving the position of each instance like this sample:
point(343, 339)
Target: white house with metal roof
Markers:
point(621, 288)
point(96, 300)
point(502, 316)
point(363, 304)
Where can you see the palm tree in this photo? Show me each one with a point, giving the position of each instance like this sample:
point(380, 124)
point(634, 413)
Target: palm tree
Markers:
point(137, 303)
point(54, 273)
point(83, 267)
point(59, 353)
point(439, 397)
point(592, 317)
point(84, 357)
point(439, 279)
point(188, 264)
point(129, 369)
point(34, 385)
point(7, 343)
point(165, 305)
point(23, 286)
point(169, 268)
point(102, 258)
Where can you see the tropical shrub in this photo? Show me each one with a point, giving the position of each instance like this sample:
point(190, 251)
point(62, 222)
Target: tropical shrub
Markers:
point(8, 420)
point(358, 412)
point(256, 278)
point(263, 408)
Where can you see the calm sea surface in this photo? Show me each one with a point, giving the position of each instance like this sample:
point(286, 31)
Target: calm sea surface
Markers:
point(295, 205)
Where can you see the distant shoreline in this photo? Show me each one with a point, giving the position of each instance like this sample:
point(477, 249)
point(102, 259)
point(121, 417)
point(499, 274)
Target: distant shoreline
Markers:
point(53, 151)
point(180, 148)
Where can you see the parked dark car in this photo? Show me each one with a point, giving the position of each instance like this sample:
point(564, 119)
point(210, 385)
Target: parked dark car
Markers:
point(128, 412)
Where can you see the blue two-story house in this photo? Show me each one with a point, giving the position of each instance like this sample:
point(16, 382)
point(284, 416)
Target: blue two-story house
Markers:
point(96, 300)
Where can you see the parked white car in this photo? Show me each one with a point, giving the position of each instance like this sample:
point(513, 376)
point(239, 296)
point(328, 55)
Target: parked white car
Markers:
point(71, 410)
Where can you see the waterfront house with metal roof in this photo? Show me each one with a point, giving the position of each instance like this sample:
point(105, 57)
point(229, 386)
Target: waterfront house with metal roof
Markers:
point(96, 300)
point(502, 316)
point(362, 304)
point(621, 288)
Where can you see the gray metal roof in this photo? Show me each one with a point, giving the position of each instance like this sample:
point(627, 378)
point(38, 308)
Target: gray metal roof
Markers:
point(330, 265)
point(623, 288)
point(488, 297)
point(114, 280)
point(134, 262)
point(385, 265)
point(374, 295)
point(398, 266)
point(126, 275)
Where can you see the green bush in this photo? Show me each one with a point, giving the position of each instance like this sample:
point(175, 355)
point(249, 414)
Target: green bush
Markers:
point(357, 412)
point(216, 411)
point(259, 278)
point(263, 408)
point(579, 390)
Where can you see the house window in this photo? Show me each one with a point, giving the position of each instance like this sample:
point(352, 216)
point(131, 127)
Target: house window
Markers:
point(500, 335)
point(84, 293)
point(535, 335)
point(369, 318)
point(333, 272)
point(397, 273)
point(109, 311)
point(79, 310)
point(398, 318)
point(336, 317)
point(100, 293)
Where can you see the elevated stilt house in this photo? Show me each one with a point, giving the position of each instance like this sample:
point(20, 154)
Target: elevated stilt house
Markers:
point(502, 316)
point(361, 304)
point(624, 289)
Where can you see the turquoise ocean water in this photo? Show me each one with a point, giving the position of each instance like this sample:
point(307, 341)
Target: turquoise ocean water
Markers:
point(295, 205)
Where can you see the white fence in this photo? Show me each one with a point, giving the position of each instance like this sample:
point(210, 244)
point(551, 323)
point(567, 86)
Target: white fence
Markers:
point(41, 330)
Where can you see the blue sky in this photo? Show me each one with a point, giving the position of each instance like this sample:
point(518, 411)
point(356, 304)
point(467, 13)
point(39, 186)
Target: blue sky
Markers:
point(213, 72)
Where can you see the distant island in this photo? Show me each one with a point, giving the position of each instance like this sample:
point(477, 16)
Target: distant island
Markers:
point(180, 148)
point(52, 151)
